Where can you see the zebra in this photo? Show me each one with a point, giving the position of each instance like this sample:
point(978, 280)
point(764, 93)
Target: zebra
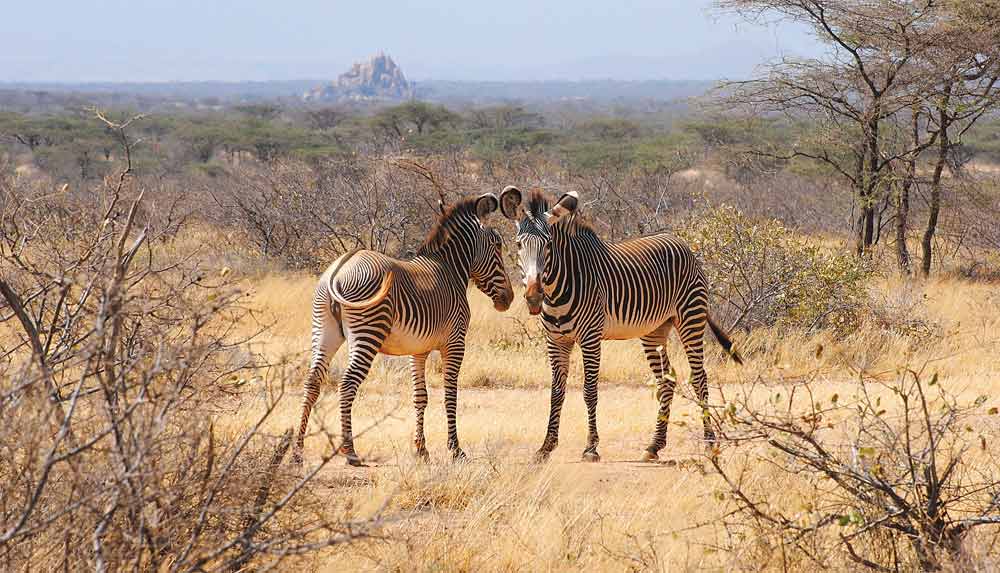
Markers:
point(380, 304)
point(588, 290)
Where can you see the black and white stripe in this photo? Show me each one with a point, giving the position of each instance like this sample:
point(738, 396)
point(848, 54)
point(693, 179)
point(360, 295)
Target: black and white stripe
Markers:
point(588, 290)
point(380, 304)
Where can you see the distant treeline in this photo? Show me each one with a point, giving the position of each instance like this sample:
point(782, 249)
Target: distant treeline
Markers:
point(71, 146)
point(150, 96)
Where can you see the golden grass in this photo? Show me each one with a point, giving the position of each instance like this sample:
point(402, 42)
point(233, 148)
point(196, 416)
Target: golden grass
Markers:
point(500, 512)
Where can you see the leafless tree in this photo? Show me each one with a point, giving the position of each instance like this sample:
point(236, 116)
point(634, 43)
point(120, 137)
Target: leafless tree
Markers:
point(893, 476)
point(114, 359)
point(899, 77)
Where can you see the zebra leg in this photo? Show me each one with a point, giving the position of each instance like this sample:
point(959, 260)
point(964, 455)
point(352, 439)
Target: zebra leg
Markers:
point(591, 350)
point(559, 360)
point(364, 347)
point(452, 358)
point(656, 355)
point(327, 338)
point(692, 333)
point(417, 369)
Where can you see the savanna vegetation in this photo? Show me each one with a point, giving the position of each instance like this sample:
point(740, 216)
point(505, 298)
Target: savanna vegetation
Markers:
point(158, 271)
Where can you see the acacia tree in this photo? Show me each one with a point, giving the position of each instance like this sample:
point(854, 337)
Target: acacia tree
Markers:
point(960, 86)
point(417, 116)
point(852, 92)
point(899, 77)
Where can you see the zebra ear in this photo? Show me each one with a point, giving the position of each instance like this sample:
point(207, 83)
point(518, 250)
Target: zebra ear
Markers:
point(486, 204)
point(441, 206)
point(510, 200)
point(564, 206)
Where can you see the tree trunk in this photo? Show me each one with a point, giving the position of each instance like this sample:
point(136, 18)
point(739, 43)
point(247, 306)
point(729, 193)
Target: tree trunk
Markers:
point(903, 200)
point(902, 225)
point(934, 208)
point(866, 227)
point(868, 198)
point(933, 212)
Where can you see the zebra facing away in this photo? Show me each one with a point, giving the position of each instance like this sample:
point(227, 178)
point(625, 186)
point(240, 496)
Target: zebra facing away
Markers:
point(380, 304)
point(588, 290)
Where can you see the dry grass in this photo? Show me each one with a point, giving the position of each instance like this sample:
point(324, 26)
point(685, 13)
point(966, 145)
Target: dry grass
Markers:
point(499, 512)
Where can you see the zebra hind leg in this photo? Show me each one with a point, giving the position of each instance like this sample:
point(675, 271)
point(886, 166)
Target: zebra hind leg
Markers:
point(653, 345)
point(327, 338)
point(365, 344)
point(692, 333)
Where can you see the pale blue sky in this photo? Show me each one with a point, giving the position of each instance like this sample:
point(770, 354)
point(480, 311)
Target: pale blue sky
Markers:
point(145, 40)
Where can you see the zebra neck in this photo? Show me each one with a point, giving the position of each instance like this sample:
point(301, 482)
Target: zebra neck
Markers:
point(454, 267)
point(579, 265)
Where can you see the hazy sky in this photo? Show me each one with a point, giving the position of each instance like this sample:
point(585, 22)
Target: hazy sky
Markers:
point(144, 40)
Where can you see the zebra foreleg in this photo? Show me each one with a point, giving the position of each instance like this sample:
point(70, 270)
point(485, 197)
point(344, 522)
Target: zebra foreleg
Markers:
point(452, 357)
point(559, 360)
point(417, 370)
point(591, 351)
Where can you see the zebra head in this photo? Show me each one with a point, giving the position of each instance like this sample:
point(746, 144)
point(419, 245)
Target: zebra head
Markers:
point(533, 236)
point(487, 268)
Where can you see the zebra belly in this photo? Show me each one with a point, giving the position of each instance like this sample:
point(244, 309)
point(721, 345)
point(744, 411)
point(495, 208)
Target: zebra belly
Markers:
point(402, 342)
point(615, 329)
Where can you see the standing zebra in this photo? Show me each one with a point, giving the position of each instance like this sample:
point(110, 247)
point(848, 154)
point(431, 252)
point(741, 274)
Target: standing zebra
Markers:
point(381, 304)
point(588, 290)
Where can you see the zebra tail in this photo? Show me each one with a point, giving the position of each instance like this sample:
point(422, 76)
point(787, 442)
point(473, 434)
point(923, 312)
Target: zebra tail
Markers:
point(725, 341)
point(367, 303)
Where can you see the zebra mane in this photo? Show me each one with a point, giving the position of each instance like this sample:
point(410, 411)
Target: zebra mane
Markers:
point(441, 232)
point(575, 224)
point(538, 202)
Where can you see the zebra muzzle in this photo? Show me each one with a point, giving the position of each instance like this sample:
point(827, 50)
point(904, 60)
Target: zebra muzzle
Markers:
point(533, 296)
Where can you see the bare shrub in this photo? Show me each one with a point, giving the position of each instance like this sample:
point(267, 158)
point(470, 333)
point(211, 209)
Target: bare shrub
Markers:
point(274, 207)
point(115, 361)
point(895, 476)
point(303, 216)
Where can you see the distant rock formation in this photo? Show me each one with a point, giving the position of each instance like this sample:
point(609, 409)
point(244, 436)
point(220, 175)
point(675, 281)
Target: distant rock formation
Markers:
point(378, 78)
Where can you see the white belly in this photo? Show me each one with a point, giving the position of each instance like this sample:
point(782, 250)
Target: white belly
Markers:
point(401, 342)
point(617, 330)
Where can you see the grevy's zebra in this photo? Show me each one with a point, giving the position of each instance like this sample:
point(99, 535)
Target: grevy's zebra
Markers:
point(381, 304)
point(588, 290)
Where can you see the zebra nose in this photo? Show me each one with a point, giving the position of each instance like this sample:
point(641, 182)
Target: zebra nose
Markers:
point(533, 296)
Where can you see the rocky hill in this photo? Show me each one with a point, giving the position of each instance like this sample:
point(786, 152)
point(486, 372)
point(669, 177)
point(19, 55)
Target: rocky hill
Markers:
point(378, 78)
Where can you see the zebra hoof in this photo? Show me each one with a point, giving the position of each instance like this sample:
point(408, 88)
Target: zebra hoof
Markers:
point(457, 455)
point(591, 457)
point(542, 456)
point(649, 456)
point(355, 461)
point(423, 456)
point(352, 458)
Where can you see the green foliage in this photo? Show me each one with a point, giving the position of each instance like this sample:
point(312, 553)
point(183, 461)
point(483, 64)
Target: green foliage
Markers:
point(413, 117)
point(610, 129)
point(670, 152)
point(768, 276)
point(984, 140)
